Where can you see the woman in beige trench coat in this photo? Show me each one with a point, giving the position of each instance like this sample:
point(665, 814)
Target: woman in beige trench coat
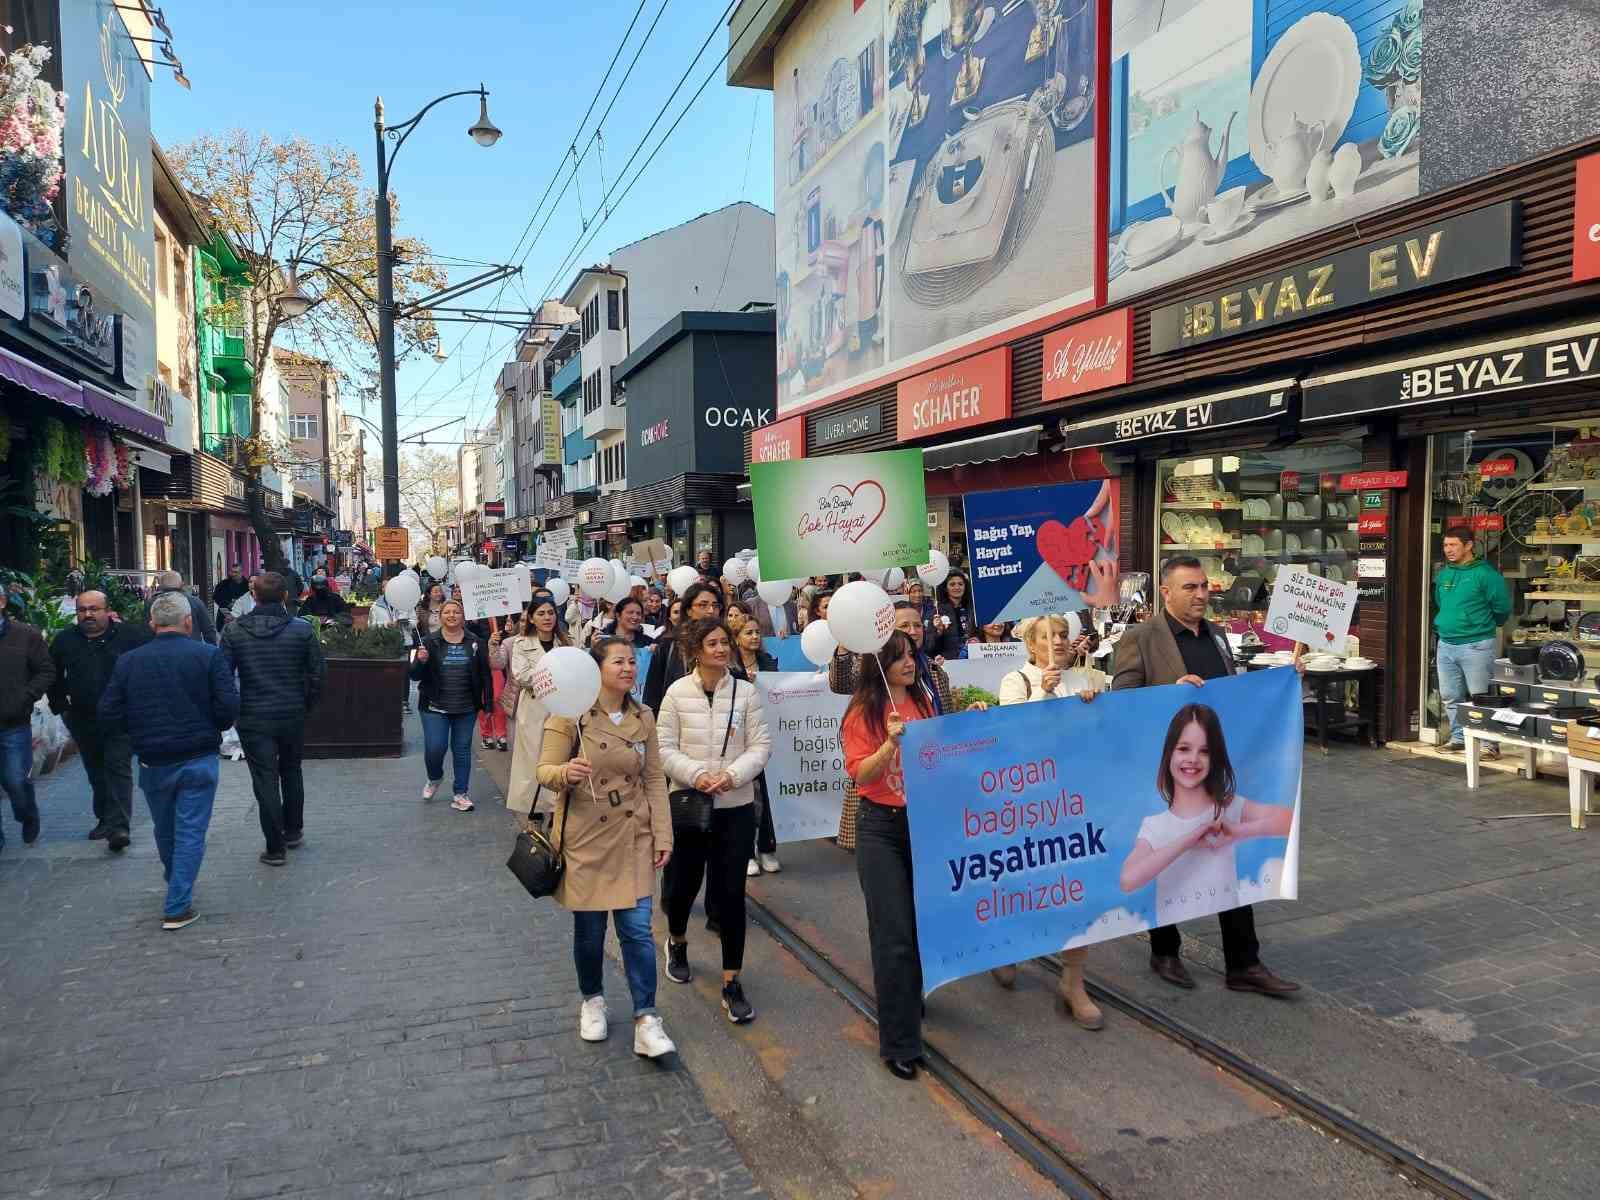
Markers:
point(539, 636)
point(614, 827)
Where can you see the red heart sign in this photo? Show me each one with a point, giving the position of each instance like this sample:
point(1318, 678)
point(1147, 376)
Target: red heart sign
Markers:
point(1057, 547)
point(860, 515)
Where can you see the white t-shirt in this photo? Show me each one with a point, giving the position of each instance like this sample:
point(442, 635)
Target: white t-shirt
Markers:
point(1202, 880)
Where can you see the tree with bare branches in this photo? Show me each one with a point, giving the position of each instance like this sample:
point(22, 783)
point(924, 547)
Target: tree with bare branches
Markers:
point(292, 204)
point(429, 501)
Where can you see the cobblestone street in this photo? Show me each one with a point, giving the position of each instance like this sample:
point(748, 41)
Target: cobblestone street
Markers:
point(389, 1015)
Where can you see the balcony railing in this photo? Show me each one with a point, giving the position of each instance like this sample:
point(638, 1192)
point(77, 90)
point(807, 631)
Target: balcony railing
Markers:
point(226, 446)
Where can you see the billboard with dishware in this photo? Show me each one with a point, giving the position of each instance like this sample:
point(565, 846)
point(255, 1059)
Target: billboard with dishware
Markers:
point(935, 184)
point(1237, 125)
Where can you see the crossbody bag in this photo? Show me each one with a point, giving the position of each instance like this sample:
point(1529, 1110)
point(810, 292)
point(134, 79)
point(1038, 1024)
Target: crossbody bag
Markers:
point(692, 808)
point(536, 861)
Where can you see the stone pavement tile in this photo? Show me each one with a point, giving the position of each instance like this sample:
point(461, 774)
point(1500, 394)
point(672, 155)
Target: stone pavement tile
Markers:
point(387, 1016)
point(1420, 908)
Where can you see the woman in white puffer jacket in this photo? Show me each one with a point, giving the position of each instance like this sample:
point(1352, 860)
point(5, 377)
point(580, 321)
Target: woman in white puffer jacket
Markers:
point(713, 739)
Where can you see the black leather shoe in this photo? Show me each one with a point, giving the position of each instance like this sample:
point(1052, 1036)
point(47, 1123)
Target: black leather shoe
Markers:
point(1170, 967)
point(97, 833)
point(902, 1068)
point(274, 858)
point(117, 841)
point(1259, 979)
point(30, 831)
point(294, 842)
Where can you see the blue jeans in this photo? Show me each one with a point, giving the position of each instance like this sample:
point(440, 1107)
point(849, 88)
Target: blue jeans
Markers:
point(440, 730)
point(180, 796)
point(638, 954)
point(1464, 672)
point(16, 764)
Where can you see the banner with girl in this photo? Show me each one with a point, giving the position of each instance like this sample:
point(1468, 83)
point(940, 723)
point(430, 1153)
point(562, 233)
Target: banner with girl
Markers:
point(1048, 826)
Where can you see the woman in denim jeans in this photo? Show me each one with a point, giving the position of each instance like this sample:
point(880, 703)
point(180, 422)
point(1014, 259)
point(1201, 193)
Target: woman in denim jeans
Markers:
point(615, 830)
point(456, 685)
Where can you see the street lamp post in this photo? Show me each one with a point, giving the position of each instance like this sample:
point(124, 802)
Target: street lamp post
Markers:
point(483, 132)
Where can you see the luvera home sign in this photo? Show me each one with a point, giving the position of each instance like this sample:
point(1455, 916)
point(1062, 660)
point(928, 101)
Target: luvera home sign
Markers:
point(1446, 251)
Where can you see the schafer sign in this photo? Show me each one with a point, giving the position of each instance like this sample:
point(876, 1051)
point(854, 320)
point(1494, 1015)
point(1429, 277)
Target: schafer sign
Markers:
point(1488, 369)
point(1089, 355)
point(1446, 251)
point(974, 391)
point(780, 442)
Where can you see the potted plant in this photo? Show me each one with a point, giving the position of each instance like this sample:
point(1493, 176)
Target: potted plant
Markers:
point(359, 712)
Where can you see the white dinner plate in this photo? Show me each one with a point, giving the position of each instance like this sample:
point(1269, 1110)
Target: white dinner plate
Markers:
point(1312, 73)
point(1291, 541)
point(1172, 526)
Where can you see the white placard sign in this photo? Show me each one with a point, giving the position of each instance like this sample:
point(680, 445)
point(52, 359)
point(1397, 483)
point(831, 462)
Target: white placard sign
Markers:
point(805, 775)
point(548, 559)
point(1372, 568)
point(1005, 650)
point(1311, 609)
point(493, 593)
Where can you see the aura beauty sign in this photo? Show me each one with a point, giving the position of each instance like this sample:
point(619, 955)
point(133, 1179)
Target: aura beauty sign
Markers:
point(1042, 550)
point(849, 512)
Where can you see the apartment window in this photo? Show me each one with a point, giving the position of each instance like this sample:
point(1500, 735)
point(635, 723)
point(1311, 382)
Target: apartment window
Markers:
point(302, 426)
point(592, 393)
point(613, 309)
point(163, 266)
point(591, 317)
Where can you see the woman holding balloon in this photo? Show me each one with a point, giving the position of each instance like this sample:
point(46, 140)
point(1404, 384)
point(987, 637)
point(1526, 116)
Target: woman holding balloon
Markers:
point(540, 636)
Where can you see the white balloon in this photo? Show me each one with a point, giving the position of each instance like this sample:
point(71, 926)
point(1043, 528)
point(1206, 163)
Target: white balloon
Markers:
point(1074, 627)
point(752, 569)
point(861, 616)
point(466, 572)
point(818, 643)
point(775, 591)
point(437, 566)
point(566, 682)
point(734, 571)
point(402, 593)
point(559, 591)
point(594, 577)
point(620, 584)
point(894, 580)
point(936, 570)
point(681, 579)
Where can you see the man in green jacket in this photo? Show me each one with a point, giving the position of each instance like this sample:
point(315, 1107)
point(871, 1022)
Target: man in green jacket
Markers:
point(1470, 602)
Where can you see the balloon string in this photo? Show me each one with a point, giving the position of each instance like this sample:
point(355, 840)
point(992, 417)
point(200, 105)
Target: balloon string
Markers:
point(582, 745)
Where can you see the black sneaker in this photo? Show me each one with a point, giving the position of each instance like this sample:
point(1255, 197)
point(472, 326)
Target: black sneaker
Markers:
point(274, 858)
point(97, 833)
point(30, 831)
point(117, 841)
point(488, 743)
point(678, 961)
point(293, 843)
point(187, 917)
point(739, 1010)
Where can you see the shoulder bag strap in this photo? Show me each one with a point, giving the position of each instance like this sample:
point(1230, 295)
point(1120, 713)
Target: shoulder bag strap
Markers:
point(732, 700)
point(566, 796)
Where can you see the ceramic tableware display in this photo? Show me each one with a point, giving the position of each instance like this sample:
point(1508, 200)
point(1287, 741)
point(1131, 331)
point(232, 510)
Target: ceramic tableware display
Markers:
point(1344, 171)
point(1311, 77)
point(1291, 151)
point(1317, 176)
point(1198, 171)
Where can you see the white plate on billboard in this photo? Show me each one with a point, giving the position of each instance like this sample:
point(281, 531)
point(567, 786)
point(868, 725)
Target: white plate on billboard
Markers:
point(1312, 74)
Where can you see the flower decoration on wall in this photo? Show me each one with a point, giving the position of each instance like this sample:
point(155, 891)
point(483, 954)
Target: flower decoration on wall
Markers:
point(102, 461)
point(126, 468)
point(1394, 66)
point(33, 116)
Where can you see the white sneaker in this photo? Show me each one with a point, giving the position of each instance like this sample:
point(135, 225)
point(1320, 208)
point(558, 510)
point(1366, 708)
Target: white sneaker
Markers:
point(430, 790)
point(650, 1040)
point(592, 1025)
point(752, 869)
point(770, 863)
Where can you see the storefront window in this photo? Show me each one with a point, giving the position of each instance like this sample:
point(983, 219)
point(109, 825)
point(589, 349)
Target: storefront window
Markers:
point(1248, 515)
point(1531, 499)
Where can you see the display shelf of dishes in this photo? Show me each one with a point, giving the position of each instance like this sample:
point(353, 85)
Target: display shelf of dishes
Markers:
point(1201, 505)
point(1319, 662)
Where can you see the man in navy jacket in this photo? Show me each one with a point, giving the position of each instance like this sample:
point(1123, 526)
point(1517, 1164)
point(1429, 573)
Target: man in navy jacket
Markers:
point(174, 696)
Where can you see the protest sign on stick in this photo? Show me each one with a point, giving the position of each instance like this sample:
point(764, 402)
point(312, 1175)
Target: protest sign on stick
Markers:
point(848, 512)
point(493, 593)
point(1311, 609)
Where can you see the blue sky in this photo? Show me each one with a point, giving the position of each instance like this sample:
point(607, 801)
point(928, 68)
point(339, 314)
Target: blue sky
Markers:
point(313, 69)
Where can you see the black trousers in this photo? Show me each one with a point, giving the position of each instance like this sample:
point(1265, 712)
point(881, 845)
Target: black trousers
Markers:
point(1240, 950)
point(883, 864)
point(108, 761)
point(718, 858)
point(274, 761)
point(766, 837)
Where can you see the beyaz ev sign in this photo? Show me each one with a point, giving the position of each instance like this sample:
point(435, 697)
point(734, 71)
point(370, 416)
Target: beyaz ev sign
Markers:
point(1446, 251)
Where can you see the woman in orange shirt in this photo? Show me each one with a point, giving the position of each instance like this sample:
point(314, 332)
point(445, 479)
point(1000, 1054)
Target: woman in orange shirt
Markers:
point(870, 736)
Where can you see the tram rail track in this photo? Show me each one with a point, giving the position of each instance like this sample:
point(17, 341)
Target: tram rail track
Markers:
point(1060, 1168)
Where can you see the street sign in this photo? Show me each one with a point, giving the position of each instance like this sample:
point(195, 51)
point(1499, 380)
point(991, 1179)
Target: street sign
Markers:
point(391, 542)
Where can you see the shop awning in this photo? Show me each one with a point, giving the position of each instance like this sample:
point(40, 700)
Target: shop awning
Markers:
point(1549, 358)
point(1014, 443)
point(84, 397)
point(1192, 414)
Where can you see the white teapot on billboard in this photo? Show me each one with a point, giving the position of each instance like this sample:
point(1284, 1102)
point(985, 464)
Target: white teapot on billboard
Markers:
point(1289, 157)
point(1199, 173)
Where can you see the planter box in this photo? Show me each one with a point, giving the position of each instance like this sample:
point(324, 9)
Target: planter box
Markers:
point(359, 713)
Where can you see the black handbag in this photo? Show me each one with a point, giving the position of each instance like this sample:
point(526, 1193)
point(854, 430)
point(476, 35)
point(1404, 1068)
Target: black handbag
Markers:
point(692, 808)
point(536, 861)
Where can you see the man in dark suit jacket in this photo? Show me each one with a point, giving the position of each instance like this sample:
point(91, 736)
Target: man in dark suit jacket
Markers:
point(1178, 645)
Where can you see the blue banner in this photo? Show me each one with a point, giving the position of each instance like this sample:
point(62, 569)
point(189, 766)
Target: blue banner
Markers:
point(1059, 823)
point(1042, 549)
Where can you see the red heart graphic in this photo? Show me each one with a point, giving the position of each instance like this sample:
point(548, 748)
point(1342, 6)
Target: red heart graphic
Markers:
point(1055, 543)
point(1328, 633)
point(860, 505)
